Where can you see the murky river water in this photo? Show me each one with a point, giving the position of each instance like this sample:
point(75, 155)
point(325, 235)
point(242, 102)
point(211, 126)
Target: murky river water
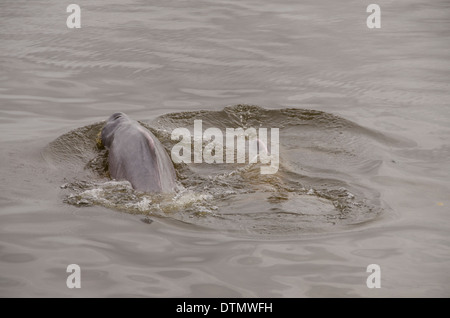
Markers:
point(364, 119)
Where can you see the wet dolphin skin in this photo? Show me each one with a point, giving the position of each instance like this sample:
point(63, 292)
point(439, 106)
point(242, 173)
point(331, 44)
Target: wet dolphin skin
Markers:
point(137, 156)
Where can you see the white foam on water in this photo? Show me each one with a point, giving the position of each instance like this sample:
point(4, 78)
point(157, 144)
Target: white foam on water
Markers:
point(143, 205)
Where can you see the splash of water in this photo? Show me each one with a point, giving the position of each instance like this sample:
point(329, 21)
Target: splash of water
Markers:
point(318, 187)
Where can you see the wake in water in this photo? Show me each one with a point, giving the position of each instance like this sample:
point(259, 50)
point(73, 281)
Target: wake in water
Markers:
point(319, 187)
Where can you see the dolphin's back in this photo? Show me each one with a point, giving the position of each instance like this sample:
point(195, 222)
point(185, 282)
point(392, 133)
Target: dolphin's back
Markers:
point(136, 155)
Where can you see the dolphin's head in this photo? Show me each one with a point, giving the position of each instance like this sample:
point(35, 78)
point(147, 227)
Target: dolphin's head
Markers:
point(118, 117)
point(111, 126)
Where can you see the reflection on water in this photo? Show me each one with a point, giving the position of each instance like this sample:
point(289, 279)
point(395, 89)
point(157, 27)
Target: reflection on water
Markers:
point(363, 117)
